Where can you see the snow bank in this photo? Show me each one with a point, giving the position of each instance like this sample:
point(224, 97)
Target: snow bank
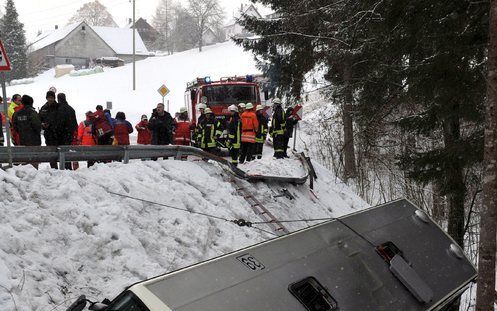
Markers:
point(86, 72)
point(21, 81)
point(64, 234)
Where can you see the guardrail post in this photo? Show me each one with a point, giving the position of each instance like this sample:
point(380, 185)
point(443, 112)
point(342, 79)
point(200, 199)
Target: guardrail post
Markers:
point(62, 159)
point(178, 155)
point(126, 155)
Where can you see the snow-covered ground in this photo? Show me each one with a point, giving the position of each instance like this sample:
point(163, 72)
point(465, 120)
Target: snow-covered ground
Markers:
point(65, 234)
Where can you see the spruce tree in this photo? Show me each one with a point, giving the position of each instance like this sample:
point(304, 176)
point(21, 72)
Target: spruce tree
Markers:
point(14, 40)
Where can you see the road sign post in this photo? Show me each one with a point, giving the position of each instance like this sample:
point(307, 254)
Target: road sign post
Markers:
point(163, 91)
point(5, 66)
point(297, 114)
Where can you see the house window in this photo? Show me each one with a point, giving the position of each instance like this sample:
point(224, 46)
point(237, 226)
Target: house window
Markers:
point(68, 61)
point(313, 295)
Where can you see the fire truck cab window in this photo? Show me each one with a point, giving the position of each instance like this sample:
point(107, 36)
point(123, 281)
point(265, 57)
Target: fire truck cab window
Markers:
point(127, 302)
point(229, 94)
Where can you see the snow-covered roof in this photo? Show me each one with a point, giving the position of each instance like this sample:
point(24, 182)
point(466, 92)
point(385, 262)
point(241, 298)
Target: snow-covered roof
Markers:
point(52, 36)
point(250, 10)
point(121, 40)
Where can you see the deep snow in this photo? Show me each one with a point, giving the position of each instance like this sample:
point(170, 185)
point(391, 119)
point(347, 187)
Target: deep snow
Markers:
point(64, 234)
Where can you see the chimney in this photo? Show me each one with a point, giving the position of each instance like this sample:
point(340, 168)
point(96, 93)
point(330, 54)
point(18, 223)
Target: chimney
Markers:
point(56, 27)
point(241, 7)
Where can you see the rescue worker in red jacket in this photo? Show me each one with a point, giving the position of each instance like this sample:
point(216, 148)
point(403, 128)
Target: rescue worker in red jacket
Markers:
point(182, 134)
point(250, 125)
point(234, 134)
point(102, 129)
point(122, 129)
point(260, 138)
point(85, 134)
point(144, 133)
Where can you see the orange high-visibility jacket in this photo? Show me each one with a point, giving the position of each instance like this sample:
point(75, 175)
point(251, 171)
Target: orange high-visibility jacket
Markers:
point(250, 124)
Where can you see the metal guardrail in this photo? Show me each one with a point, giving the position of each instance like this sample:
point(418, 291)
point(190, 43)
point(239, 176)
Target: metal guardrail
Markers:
point(63, 154)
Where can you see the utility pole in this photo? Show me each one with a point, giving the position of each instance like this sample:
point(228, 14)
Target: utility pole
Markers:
point(167, 28)
point(134, 48)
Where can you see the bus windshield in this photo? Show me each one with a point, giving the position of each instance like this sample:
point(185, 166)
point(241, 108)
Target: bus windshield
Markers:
point(229, 94)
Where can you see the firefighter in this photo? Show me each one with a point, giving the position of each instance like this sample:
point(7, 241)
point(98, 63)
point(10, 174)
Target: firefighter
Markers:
point(210, 130)
point(198, 131)
point(234, 134)
point(183, 124)
point(250, 125)
point(277, 129)
point(241, 108)
point(291, 121)
point(260, 138)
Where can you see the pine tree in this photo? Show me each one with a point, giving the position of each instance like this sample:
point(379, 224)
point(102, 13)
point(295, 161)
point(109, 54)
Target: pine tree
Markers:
point(485, 295)
point(14, 40)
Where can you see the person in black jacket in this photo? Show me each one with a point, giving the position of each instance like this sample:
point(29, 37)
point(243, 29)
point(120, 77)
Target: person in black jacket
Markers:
point(161, 125)
point(277, 129)
point(27, 123)
point(49, 121)
point(67, 125)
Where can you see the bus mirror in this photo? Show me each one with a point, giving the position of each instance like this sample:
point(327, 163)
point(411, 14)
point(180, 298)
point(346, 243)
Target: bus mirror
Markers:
point(266, 95)
point(192, 95)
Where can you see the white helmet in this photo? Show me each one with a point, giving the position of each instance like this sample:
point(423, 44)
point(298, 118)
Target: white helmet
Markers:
point(233, 108)
point(208, 110)
point(249, 106)
point(182, 110)
point(201, 106)
point(241, 105)
point(260, 107)
point(276, 101)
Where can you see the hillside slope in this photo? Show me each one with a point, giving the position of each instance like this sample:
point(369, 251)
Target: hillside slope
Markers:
point(115, 84)
point(64, 234)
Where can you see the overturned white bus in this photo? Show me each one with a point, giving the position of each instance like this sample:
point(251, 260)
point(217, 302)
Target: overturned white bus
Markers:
point(389, 257)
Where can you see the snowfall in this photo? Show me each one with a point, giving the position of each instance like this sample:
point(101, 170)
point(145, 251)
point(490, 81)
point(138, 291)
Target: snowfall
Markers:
point(67, 233)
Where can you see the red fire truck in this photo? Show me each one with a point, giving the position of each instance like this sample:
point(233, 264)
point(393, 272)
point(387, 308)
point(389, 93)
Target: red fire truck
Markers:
point(219, 95)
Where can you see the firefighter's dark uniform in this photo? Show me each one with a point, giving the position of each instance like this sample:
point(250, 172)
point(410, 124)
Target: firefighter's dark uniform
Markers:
point(234, 137)
point(210, 130)
point(277, 131)
point(260, 138)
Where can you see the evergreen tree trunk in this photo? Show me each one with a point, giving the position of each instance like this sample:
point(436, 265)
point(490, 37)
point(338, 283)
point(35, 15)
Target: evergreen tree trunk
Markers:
point(455, 177)
point(438, 210)
point(348, 129)
point(455, 184)
point(485, 293)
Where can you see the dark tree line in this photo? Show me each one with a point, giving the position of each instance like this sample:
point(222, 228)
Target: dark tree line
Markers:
point(395, 66)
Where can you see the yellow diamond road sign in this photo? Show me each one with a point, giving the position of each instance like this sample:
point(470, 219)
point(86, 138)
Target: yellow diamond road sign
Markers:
point(163, 90)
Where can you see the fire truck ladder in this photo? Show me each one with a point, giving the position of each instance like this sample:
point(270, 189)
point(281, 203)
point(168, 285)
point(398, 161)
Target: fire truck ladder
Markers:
point(259, 208)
